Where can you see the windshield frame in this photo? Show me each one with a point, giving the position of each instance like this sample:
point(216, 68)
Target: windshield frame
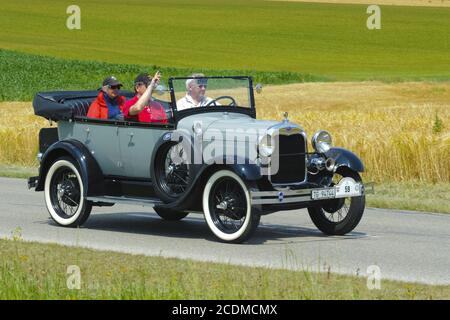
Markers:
point(179, 114)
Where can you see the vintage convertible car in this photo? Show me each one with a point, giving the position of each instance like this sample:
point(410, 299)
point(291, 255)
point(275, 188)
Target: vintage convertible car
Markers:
point(216, 159)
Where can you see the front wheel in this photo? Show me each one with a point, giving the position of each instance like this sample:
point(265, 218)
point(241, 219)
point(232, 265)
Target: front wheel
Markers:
point(227, 207)
point(63, 190)
point(339, 216)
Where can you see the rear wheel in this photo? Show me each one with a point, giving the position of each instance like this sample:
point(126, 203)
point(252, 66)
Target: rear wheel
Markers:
point(227, 207)
point(339, 216)
point(170, 215)
point(63, 190)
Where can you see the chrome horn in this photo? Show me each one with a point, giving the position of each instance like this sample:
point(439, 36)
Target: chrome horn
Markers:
point(330, 164)
point(317, 164)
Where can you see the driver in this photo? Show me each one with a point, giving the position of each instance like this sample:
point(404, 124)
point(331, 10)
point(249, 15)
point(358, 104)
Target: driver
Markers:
point(195, 93)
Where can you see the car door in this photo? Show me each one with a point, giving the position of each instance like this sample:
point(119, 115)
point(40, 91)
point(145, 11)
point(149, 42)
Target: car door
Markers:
point(102, 140)
point(137, 141)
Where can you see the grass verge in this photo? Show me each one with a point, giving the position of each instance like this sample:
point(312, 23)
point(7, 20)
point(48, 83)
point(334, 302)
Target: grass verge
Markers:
point(14, 171)
point(40, 271)
point(411, 196)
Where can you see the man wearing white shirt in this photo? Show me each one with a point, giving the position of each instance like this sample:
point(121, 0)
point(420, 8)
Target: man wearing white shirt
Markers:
point(195, 93)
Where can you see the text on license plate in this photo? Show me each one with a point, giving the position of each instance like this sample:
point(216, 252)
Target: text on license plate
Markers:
point(329, 193)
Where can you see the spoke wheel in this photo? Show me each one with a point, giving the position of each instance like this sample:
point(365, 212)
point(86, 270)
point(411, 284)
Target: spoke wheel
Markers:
point(339, 216)
point(64, 194)
point(227, 207)
point(171, 172)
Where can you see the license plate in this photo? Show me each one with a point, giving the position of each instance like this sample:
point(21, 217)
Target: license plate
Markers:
point(347, 187)
point(328, 193)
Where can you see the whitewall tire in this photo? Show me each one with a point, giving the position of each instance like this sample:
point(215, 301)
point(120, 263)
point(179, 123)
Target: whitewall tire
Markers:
point(227, 207)
point(63, 190)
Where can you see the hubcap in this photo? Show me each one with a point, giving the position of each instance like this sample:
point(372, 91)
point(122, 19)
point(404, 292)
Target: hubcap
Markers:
point(228, 205)
point(65, 192)
point(337, 209)
point(174, 178)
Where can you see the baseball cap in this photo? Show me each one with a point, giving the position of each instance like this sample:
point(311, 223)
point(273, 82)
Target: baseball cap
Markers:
point(111, 81)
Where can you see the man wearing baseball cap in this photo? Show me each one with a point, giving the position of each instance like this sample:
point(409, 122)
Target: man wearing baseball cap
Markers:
point(108, 104)
point(141, 107)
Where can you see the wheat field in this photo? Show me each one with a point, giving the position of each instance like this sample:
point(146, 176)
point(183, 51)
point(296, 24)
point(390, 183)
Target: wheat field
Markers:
point(400, 130)
point(392, 127)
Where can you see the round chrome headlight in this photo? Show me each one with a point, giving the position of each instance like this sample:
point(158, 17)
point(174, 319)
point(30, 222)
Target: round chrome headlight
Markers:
point(265, 146)
point(321, 141)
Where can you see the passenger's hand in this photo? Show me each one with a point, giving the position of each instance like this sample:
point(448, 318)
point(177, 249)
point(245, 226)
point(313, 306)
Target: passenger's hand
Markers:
point(155, 80)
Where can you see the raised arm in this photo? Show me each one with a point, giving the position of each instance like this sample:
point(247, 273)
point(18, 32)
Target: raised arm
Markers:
point(145, 98)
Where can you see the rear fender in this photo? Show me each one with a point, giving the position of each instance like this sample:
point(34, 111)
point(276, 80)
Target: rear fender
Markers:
point(90, 171)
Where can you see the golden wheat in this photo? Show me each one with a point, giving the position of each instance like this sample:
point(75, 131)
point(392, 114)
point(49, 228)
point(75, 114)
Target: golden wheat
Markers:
point(392, 127)
point(19, 129)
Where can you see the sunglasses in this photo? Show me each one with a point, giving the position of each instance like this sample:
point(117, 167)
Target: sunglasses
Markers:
point(114, 87)
point(202, 82)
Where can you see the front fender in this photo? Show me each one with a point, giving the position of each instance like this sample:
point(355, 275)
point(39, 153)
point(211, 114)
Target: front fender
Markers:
point(90, 171)
point(345, 158)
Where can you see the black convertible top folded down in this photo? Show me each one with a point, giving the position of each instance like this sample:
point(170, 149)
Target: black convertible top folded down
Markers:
point(64, 105)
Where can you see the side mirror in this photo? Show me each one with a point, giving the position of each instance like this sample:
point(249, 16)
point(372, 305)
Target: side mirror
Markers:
point(160, 89)
point(258, 88)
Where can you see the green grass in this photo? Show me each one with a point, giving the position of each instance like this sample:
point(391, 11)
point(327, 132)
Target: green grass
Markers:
point(411, 196)
point(15, 171)
point(22, 75)
point(39, 271)
point(330, 40)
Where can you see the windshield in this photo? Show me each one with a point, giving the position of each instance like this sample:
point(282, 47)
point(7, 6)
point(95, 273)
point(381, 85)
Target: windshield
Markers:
point(194, 92)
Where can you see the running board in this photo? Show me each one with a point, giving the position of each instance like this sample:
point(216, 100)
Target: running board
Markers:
point(148, 202)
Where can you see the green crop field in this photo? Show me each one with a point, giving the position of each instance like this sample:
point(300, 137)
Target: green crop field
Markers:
point(326, 40)
point(22, 74)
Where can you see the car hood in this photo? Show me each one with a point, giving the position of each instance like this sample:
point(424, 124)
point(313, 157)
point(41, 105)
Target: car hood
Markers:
point(213, 122)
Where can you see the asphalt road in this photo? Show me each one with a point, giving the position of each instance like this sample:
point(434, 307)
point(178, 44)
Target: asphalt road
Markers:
point(407, 246)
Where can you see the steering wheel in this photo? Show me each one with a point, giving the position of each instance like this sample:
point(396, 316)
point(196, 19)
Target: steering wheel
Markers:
point(232, 104)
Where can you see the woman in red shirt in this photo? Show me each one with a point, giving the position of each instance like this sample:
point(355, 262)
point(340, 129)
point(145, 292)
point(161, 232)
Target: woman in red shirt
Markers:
point(141, 107)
